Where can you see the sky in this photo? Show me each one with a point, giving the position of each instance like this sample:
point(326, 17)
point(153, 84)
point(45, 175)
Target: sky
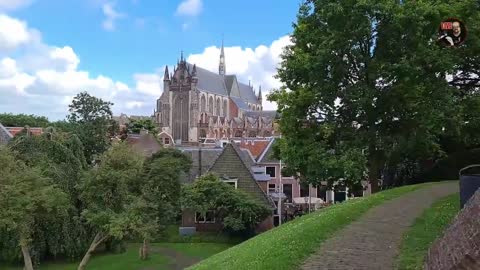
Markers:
point(50, 50)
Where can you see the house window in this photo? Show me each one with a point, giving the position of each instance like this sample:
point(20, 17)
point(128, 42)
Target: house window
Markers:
point(272, 188)
point(304, 190)
point(270, 171)
point(232, 183)
point(208, 217)
point(166, 141)
point(287, 190)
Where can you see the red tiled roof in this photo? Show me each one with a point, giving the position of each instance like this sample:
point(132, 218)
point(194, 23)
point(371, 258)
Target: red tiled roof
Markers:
point(256, 147)
point(33, 130)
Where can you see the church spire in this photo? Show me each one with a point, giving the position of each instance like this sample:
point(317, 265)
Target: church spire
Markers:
point(259, 93)
point(166, 76)
point(221, 66)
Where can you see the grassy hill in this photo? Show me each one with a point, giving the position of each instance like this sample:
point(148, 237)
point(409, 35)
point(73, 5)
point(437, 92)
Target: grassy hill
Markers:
point(286, 247)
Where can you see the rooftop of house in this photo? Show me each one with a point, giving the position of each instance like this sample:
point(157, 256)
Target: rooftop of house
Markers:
point(15, 130)
point(145, 143)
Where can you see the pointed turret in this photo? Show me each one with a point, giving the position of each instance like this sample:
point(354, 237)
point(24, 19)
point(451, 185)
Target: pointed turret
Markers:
point(259, 93)
point(166, 76)
point(194, 71)
point(221, 65)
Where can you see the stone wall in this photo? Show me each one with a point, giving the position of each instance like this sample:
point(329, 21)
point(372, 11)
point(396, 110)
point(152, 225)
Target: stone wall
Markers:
point(459, 247)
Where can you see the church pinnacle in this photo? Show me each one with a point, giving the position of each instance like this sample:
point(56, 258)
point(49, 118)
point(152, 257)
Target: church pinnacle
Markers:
point(221, 65)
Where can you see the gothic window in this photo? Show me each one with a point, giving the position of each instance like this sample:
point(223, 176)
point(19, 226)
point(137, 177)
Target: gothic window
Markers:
point(249, 107)
point(238, 133)
point(217, 107)
point(203, 133)
point(203, 104)
point(224, 108)
point(210, 105)
point(252, 134)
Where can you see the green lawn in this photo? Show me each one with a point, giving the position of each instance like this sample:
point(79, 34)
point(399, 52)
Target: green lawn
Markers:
point(285, 247)
point(428, 227)
point(129, 260)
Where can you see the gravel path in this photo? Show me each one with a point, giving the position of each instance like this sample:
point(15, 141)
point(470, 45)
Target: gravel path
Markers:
point(372, 242)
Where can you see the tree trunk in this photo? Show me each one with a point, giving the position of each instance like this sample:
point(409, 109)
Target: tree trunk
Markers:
point(144, 250)
point(93, 246)
point(26, 256)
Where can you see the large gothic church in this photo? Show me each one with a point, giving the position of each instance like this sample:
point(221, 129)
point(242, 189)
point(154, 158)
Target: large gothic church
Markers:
point(197, 103)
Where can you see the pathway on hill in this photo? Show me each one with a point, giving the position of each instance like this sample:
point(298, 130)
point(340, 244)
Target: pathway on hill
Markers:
point(372, 242)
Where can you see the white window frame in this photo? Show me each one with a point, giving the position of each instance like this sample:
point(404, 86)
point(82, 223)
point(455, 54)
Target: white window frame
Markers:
point(205, 218)
point(275, 172)
point(232, 181)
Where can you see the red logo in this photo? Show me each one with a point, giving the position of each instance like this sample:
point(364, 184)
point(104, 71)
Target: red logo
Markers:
point(447, 26)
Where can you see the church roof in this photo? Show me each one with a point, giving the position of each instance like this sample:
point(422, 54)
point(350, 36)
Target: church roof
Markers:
point(247, 94)
point(214, 83)
point(240, 103)
point(210, 82)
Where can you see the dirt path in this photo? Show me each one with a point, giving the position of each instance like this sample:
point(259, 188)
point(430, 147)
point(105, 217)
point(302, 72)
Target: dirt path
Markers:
point(372, 242)
point(178, 261)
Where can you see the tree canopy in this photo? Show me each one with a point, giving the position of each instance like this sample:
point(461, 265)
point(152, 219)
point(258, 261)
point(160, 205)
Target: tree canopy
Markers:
point(238, 211)
point(27, 197)
point(366, 86)
point(21, 120)
point(92, 121)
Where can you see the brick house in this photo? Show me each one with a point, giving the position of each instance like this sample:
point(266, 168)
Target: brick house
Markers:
point(234, 167)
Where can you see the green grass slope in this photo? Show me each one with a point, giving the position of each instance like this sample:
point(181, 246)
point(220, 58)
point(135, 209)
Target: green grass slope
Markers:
point(428, 227)
point(286, 247)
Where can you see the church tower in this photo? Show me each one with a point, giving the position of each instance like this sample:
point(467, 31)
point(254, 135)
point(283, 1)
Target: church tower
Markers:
point(221, 65)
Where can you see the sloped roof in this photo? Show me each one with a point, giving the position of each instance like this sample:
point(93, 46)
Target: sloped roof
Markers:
point(146, 144)
point(209, 155)
point(233, 163)
point(5, 135)
point(240, 103)
point(267, 155)
point(269, 114)
point(209, 81)
point(246, 93)
point(256, 147)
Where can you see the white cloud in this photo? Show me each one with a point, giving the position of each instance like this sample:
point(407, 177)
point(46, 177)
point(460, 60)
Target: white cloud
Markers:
point(134, 104)
point(13, 4)
point(111, 15)
point(149, 84)
point(190, 8)
point(258, 65)
point(13, 33)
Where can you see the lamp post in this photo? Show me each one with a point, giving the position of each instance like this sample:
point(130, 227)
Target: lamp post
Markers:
point(281, 193)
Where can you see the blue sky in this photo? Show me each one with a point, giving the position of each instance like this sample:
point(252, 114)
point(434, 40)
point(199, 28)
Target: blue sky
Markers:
point(126, 43)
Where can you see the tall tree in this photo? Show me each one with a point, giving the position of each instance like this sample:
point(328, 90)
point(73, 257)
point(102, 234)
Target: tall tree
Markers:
point(111, 206)
point(367, 78)
point(60, 159)
point(160, 191)
point(26, 196)
point(92, 120)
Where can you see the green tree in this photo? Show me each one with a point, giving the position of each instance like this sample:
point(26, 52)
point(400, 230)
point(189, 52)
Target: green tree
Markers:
point(26, 196)
point(60, 159)
point(111, 206)
point(161, 192)
point(236, 209)
point(136, 125)
point(366, 78)
point(21, 120)
point(92, 120)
